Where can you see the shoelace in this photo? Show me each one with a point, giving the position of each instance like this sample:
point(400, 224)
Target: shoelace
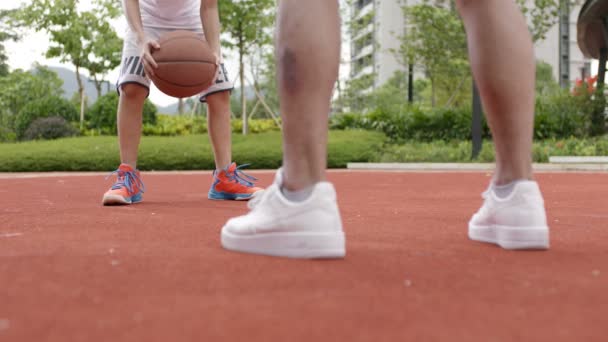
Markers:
point(127, 179)
point(241, 177)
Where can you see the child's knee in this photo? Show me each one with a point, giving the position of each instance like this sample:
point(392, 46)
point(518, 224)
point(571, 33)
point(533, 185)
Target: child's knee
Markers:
point(133, 91)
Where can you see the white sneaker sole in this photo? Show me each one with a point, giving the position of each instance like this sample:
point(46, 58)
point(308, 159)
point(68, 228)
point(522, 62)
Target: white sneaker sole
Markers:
point(289, 244)
point(511, 237)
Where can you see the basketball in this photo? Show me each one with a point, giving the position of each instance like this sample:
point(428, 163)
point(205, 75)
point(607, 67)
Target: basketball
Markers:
point(186, 64)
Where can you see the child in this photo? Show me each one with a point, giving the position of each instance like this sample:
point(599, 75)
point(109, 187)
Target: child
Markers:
point(148, 20)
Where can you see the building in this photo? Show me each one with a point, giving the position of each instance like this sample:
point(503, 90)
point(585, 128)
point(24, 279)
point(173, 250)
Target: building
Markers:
point(377, 23)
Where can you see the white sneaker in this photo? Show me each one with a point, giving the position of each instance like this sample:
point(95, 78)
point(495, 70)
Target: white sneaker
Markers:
point(517, 221)
point(278, 227)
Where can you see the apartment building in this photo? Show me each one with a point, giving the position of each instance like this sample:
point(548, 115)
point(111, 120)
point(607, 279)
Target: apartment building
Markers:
point(377, 23)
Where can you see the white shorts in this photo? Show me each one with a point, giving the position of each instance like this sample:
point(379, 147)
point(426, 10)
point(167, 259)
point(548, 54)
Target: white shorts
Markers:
point(132, 69)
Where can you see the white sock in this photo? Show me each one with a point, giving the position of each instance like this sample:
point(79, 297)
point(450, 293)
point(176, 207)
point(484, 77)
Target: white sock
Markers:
point(505, 190)
point(298, 195)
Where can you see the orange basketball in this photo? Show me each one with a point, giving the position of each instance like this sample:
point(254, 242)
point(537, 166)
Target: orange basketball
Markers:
point(186, 64)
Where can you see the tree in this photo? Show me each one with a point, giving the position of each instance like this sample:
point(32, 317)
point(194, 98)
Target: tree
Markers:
point(73, 34)
point(104, 50)
point(248, 25)
point(541, 15)
point(6, 33)
point(435, 41)
point(21, 87)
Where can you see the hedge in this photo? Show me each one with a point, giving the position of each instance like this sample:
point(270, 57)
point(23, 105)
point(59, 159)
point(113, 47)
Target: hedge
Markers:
point(191, 152)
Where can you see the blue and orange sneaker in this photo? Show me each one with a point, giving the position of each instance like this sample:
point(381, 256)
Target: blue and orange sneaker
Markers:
point(128, 188)
point(233, 184)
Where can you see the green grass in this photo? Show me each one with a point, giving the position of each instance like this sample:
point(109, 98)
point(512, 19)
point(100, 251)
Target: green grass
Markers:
point(460, 151)
point(263, 151)
point(192, 152)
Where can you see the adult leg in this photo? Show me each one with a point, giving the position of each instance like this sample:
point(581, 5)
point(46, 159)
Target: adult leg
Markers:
point(307, 51)
point(502, 59)
point(501, 54)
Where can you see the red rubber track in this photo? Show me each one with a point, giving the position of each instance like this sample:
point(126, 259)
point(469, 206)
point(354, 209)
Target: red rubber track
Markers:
point(72, 270)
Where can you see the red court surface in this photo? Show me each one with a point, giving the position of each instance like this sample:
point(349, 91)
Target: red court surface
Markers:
point(72, 270)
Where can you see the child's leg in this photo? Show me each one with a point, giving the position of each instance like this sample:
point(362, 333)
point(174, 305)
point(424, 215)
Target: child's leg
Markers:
point(132, 86)
point(219, 127)
point(128, 187)
point(130, 112)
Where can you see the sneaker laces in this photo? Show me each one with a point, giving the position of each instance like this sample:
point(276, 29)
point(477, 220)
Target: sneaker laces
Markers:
point(127, 179)
point(241, 177)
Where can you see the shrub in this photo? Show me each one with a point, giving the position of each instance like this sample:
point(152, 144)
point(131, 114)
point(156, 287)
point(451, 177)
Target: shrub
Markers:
point(49, 128)
point(192, 152)
point(173, 125)
point(255, 126)
point(413, 123)
point(557, 115)
point(561, 115)
point(102, 114)
point(42, 108)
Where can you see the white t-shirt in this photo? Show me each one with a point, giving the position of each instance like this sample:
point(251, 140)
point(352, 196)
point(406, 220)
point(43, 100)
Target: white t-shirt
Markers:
point(171, 14)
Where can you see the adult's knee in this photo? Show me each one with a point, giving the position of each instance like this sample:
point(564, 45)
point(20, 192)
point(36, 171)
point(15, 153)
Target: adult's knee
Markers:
point(133, 91)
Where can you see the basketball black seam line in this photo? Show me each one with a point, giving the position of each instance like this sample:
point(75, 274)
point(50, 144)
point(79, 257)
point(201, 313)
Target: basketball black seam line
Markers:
point(181, 85)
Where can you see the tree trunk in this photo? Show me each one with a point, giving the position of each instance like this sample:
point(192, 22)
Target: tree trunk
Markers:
point(242, 79)
point(81, 93)
point(180, 106)
point(98, 87)
point(243, 97)
point(432, 93)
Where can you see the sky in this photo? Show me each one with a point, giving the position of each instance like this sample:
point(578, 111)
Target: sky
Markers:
point(33, 45)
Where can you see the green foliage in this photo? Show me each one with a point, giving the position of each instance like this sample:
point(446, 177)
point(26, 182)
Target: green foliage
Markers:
point(247, 24)
point(412, 123)
point(192, 152)
point(562, 114)
point(104, 50)
point(542, 15)
point(101, 116)
point(6, 33)
point(21, 87)
point(7, 133)
point(558, 114)
point(173, 125)
point(53, 127)
point(43, 108)
point(460, 151)
point(436, 43)
point(76, 37)
point(545, 82)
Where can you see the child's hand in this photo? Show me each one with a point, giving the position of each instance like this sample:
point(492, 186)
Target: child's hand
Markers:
point(147, 47)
